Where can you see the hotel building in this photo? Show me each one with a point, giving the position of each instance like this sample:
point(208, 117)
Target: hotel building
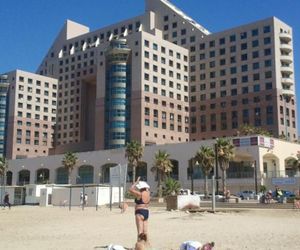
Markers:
point(4, 85)
point(162, 78)
point(31, 114)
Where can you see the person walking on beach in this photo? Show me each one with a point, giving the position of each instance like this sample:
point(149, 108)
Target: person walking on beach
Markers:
point(85, 201)
point(141, 190)
point(81, 199)
point(6, 200)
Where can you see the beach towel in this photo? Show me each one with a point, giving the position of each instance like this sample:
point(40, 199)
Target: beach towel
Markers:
point(190, 245)
point(115, 247)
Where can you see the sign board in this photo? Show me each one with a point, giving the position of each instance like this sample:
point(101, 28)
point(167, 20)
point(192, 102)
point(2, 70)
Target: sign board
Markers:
point(118, 175)
point(283, 181)
point(266, 142)
point(254, 141)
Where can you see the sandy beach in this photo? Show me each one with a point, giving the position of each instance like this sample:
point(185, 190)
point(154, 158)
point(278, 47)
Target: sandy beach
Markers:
point(27, 227)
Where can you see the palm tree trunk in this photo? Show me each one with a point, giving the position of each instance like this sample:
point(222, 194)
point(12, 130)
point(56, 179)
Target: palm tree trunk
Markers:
point(205, 186)
point(159, 185)
point(224, 181)
point(69, 176)
point(133, 173)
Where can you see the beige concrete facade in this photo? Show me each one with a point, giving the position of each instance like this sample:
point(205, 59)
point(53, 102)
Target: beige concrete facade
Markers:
point(31, 115)
point(239, 76)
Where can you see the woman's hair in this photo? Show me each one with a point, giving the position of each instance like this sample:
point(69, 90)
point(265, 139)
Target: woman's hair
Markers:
point(142, 242)
point(208, 246)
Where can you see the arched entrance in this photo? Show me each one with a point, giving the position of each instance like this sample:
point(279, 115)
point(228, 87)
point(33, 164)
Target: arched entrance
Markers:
point(61, 175)
point(105, 172)
point(291, 167)
point(141, 171)
point(42, 176)
point(195, 169)
point(23, 177)
point(271, 166)
point(85, 174)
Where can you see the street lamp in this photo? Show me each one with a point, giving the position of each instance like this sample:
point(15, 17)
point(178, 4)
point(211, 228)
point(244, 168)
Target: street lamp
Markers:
point(255, 176)
point(192, 175)
point(41, 176)
point(97, 189)
point(216, 170)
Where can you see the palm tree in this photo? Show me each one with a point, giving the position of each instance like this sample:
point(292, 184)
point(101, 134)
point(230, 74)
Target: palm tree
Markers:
point(251, 130)
point(134, 152)
point(69, 161)
point(162, 167)
point(247, 130)
point(3, 169)
point(206, 157)
point(225, 155)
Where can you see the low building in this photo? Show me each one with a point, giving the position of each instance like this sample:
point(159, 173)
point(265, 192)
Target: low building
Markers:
point(258, 161)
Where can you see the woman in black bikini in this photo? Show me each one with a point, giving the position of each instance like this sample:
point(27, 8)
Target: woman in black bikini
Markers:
point(140, 190)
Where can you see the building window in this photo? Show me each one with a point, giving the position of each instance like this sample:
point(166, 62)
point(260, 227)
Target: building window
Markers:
point(255, 65)
point(255, 32)
point(268, 63)
point(255, 54)
point(243, 46)
point(267, 52)
point(255, 43)
point(244, 57)
point(243, 35)
point(267, 29)
point(267, 40)
point(232, 38)
point(256, 88)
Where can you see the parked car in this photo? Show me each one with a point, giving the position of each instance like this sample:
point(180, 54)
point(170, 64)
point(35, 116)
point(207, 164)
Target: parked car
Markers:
point(246, 194)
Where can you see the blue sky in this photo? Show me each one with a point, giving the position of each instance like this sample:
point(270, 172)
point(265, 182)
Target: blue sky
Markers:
point(29, 27)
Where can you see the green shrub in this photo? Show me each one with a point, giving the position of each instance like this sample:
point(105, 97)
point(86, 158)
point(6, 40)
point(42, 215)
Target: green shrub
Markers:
point(171, 187)
point(262, 188)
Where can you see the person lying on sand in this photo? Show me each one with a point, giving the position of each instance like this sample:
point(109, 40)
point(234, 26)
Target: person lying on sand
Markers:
point(196, 245)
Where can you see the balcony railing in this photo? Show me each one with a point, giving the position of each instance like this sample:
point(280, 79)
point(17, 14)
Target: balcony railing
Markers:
point(285, 36)
point(286, 58)
point(287, 81)
point(283, 173)
point(288, 92)
point(287, 69)
point(286, 47)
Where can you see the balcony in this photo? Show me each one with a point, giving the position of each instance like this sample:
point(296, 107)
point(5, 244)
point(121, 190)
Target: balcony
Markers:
point(285, 37)
point(286, 69)
point(286, 47)
point(286, 58)
point(288, 92)
point(287, 81)
point(3, 78)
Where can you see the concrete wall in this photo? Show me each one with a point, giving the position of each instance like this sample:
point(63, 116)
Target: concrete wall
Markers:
point(61, 196)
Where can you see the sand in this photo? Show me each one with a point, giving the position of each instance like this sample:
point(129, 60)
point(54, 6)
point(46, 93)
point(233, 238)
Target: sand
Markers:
point(27, 227)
